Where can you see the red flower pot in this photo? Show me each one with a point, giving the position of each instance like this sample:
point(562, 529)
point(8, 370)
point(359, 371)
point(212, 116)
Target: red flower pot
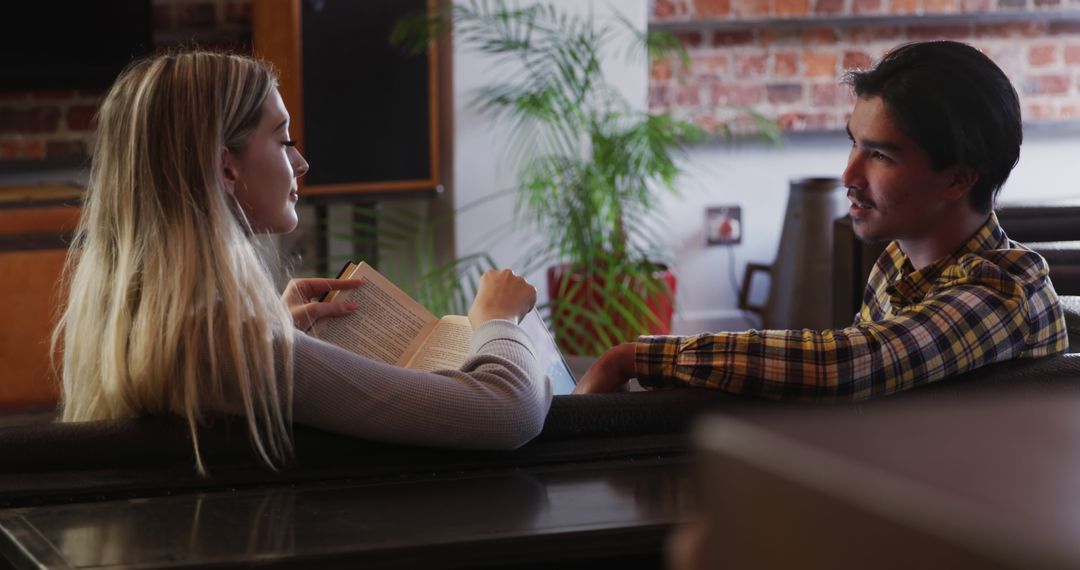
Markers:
point(591, 315)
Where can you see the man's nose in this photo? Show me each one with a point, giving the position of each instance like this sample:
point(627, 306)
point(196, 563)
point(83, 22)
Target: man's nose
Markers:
point(853, 175)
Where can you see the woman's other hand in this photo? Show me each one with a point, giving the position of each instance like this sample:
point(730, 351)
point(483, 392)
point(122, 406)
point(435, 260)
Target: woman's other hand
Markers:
point(502, 295)
point(301, 297)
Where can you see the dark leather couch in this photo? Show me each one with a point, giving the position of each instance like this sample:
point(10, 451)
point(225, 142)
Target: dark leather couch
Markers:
point(58, 463)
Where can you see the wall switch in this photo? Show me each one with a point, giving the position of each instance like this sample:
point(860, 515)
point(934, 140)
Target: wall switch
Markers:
point(723, 225)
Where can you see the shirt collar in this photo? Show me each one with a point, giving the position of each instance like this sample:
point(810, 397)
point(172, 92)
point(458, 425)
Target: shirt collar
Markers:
point(910, 286)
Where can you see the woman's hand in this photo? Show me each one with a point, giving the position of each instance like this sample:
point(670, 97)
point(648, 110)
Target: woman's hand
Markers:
point(502, 295)
point(301, 297)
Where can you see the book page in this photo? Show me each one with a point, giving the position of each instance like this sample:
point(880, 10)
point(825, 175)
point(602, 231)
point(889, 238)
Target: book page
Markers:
point(388, 326)
point(446, 347)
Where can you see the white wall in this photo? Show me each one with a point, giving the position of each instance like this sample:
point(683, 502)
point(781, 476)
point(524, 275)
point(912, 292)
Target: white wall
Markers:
point(752, 175)
point(755, 176)
point(481, 158)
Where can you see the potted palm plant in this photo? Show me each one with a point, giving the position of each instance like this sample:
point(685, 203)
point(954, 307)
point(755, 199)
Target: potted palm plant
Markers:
point(593, 170)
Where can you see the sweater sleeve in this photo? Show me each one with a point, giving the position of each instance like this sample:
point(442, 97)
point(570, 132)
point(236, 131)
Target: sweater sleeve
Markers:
point(497, 400)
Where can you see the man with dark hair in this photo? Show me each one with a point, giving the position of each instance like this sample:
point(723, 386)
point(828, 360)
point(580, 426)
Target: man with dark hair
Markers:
point(935, 132)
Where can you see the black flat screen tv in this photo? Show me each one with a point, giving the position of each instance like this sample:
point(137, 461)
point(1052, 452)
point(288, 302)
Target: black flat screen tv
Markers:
point(71, 44)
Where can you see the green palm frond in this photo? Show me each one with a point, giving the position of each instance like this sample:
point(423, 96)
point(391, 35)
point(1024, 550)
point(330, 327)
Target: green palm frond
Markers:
point(591, 168)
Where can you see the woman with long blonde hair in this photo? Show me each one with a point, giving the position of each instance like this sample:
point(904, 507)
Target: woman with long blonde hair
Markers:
point(171, 310)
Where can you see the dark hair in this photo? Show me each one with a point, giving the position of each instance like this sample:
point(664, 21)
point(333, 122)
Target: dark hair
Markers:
point(956, 104)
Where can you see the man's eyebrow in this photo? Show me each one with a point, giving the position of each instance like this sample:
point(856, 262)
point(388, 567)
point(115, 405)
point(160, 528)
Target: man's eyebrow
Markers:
point(874, 145)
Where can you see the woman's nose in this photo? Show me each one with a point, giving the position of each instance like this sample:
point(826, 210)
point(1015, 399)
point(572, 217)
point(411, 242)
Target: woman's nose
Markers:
point(300, 166)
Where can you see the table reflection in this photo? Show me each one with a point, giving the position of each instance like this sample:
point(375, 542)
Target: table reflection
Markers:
point(315, 519)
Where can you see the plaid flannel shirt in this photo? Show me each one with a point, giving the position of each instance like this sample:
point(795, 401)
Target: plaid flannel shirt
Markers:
point(991, 300)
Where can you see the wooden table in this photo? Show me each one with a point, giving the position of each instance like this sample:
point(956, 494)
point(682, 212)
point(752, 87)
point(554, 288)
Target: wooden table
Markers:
point(565, 516)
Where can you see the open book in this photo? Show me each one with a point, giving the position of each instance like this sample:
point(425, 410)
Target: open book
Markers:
point(391, 327)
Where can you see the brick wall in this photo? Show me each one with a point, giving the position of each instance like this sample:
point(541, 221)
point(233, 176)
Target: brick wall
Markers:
point(36, 125)
point(783, 58)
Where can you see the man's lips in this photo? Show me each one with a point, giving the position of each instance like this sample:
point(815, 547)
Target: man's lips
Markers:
point(858, 202)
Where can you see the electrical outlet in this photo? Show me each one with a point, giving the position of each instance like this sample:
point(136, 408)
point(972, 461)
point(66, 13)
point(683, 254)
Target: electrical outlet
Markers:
point(723, 225)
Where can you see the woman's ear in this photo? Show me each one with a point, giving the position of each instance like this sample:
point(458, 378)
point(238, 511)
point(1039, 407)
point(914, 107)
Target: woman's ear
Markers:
point(229, 171)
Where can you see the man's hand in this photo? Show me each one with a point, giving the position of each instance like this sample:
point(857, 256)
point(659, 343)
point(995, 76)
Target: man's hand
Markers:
point(501, 295)
point(301, 298)
point(611, 372)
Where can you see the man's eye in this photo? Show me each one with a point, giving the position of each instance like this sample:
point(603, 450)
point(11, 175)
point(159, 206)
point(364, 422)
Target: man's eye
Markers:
point(289, 142)
point(878, 156)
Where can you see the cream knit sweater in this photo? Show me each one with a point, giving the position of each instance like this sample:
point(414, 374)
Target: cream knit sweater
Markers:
point(498, 400)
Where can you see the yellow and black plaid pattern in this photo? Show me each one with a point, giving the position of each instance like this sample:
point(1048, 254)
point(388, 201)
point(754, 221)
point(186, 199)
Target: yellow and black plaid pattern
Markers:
point(991, 300)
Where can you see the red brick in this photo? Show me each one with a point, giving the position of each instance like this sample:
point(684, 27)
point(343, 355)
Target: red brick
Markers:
point(784, 92)
point(785, 64)
point(732, 38)
point(825, 94)
point(953, 32)
point(789, 8)
point(33, 120)
point(939, 6)
point(65, 149)
point(819, 64)
point(708, 123)
point(1038, 111)
point(977, 5)
point(803, 121)
point(660, 70)
point(735, 95)
point(1042, 55)
point(712, 8)
point(81, 117)
point(710, 66)
point(659, 97)
point(903, 6)
point(668, 9)
point(688, 95)
point(1072, 54)
point(750, 65)
point(866, 6)
point(828, 6)
point(1049, 84)
point(752, 8)
point(846, 95)
point(788, 37)
point(689, 39)
point(1010, 29)
point(1064, 28)
point(857, 60)
point(819, 36)
point(1069, 110)
point(744, 124)
point(866, 34)
point(1010, 56)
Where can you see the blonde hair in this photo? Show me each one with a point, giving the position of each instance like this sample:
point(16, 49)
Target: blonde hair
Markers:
point(170, 307)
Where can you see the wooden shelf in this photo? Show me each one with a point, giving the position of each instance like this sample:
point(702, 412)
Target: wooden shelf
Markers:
point(849, 21)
